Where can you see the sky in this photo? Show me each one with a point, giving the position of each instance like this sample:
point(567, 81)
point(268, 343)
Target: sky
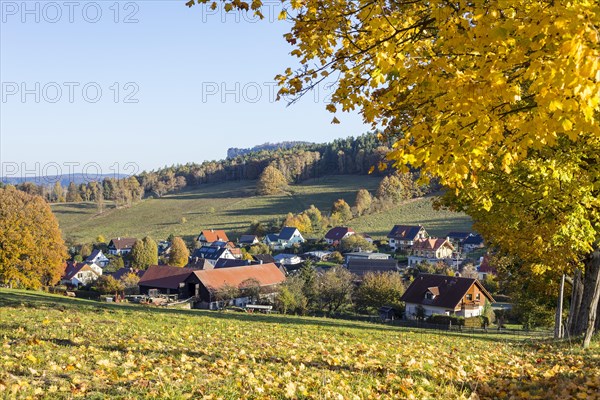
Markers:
point(124, 86)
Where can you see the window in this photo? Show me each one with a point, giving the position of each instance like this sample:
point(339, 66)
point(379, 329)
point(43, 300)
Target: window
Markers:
point(429, 296)
point(478, 296)
point(469, 297)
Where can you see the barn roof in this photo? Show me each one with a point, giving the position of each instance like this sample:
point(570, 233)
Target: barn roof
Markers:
point(266, 274)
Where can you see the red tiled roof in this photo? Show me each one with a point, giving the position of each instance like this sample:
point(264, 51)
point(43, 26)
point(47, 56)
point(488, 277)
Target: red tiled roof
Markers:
point(214, 236)
point(266, 274)
point(485, 266)
point(430, 244)
point(338, 233)
point(434, 290)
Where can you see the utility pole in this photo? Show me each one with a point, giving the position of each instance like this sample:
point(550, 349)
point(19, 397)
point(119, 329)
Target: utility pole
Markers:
point(558, 327)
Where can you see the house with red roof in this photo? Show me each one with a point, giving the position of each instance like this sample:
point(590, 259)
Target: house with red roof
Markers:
point(335, 235)
point(432, 294)
point(205, 285)
point(485, 268)
point(209, 236)
point(430, 250)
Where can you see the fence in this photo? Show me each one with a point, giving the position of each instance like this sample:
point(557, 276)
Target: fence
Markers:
point(513, 334)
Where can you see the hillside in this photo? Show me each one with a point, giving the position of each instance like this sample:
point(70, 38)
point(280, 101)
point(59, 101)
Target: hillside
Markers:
point(232, 206)
point(56, 347)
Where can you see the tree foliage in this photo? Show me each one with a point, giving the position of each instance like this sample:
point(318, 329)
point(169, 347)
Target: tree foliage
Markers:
point(356, 243)
point(130, 283)
point(144, 253)
point(73, 193)
point(107, 284)
point(335, 289)
point(271, 181)
point(340, 212)
point(291, 298)
point(179, 254)
point(380, 289)
point(32, 251)
point(363, 201)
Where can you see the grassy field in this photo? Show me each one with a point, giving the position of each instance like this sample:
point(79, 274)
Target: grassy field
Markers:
point(413, 212)
point(56, 347)
point(233, 206)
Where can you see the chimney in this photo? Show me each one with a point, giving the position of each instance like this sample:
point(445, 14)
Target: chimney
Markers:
point(119, 238)
point(260, 261)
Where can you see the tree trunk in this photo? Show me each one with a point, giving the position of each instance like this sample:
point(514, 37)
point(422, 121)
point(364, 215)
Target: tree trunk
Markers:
point(576, 295)
point(591, 294)
point(558, 325)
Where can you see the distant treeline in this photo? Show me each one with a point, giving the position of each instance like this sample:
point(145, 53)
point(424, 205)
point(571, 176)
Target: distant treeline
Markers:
point(298, 163)
point(235, 152)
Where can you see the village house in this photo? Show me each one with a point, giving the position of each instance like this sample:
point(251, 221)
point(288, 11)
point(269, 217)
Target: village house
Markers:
point(485, 268)
point(457, 238)
point(204, 285)
point(248, 240)
point(268, 277)
point(335, 235)
point(473, 242)
point(446, 295)
point(81, 274)
point(402, 237)
point(263, 258)
point(286, 239)
point(98, 258)
point(317, 255)
point(199, 263)
point(289, 260)
point(365, 255)
point(213, 253)
point(120, 246)
point(362, 266)
point(164, 279)
point(209, 236)
point(430, 250)
point(228, 263)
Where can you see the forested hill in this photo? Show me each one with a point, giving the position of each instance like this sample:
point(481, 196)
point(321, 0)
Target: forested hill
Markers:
point(298, 163)
point(235, 152)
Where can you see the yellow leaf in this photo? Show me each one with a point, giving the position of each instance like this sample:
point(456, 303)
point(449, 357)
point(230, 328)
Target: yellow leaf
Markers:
point(566, 124)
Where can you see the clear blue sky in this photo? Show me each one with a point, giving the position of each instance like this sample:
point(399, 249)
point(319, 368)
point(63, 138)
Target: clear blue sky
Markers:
point(203, 82)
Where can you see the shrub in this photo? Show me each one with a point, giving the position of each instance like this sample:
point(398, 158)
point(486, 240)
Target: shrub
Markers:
point(440, 319)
